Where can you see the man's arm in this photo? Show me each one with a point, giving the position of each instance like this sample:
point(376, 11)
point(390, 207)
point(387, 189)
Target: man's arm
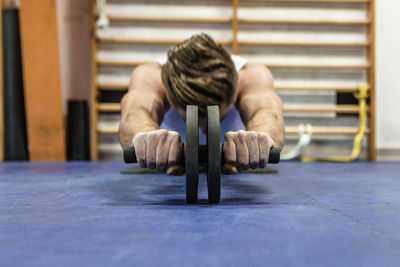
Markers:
point(143, 106)
point(142, 111)
point(261, 111)
point(260, 107)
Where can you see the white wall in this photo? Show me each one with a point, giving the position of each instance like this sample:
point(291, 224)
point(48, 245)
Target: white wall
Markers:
point(74, 41)
point(388, 73)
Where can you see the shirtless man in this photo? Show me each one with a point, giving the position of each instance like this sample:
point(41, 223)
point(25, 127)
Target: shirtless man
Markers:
point(200, 72)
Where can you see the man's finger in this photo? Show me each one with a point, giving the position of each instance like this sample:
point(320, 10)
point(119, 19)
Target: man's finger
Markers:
point(265, 146)
point(162, 151)
point(254, 150)
point(242, 151)
point(175, 151)
point(151, 151)
point(229, 149)
point(140, 150)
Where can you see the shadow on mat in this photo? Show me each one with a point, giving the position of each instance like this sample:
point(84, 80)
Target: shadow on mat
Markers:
point(202, 169)
point(234, 192)
point(204, 202)
point(157, 189)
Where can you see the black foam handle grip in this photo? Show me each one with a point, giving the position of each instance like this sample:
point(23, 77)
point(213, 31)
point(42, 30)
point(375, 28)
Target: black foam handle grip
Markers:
point(274, 155)
point(130, 155)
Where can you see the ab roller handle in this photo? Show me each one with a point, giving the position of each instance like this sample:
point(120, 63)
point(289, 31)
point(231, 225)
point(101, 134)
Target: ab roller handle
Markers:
point(211, 154)
point(130, 154)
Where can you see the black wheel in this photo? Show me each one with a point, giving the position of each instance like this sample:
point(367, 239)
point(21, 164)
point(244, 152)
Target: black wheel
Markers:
point(214, 155)
point(192, 154)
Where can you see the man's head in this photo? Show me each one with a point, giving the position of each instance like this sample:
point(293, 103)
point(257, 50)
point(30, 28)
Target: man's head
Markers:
point(200, 72)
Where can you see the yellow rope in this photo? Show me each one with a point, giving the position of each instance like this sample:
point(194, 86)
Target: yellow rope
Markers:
point(361, 96)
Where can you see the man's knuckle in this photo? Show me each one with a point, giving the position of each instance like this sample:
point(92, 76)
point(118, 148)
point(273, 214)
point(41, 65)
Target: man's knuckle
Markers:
point(242, 135)
point(151, 137)
point(263, 136)
point(253, 137)
point(173, 133)
point(138, 138)
point(229, 135)
point(177, 137)
point(265, 139)
point(174, 136)
point(270, 140)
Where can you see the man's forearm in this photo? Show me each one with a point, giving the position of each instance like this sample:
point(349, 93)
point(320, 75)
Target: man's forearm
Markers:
point(269, 122)
point(135, 121)
point(259, 106)
point(142, 108)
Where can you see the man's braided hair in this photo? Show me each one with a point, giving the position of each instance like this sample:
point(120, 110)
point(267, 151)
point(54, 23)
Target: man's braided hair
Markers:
point(199, 72)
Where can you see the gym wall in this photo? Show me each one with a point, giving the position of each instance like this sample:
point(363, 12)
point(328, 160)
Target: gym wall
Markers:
point(73, 19)
point(317, 64)
point(388, 89)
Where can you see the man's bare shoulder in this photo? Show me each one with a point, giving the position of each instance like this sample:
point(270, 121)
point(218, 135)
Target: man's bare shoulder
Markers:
point(146, 87)
point(148, 74)
point(251, 76)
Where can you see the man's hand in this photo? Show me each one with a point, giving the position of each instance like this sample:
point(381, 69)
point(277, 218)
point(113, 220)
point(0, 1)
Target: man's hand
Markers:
point(161, 149)
point(244, 149)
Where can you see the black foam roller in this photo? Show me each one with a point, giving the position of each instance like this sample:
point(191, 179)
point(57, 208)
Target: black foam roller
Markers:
point(78, 147)
point(15, 140)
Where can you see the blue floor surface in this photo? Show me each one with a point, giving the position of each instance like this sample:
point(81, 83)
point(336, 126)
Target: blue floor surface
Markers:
point(315, 214)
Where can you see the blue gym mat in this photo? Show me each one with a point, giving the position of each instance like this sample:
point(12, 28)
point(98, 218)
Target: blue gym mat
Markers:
point(89, 214)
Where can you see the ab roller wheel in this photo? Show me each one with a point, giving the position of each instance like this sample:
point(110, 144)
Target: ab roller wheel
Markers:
point(214, 155)
point(193, 153)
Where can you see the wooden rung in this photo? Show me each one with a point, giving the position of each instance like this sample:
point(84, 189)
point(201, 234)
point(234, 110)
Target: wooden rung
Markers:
point(345, 88)
point(305, 21)
point(317, 130)
point(107, 130)
point(113, 86)
point(130, 40)
point(272, 65)
point(117, 17)
point(318, 66)
point(108, 107)
point(305, 44)
point(111, 62)
point(349, 109)
point(337, 88)
point(229, 42)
